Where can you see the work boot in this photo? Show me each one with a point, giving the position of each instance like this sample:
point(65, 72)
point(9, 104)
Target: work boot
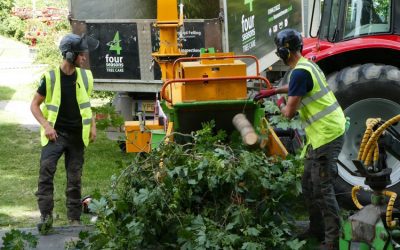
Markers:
point(308, 234)
point(45, 226)
point(329, 246)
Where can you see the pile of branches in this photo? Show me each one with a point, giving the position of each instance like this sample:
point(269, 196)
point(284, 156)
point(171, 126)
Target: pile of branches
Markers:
point(201, 195)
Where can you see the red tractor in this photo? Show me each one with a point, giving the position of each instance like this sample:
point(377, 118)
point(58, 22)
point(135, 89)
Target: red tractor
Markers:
point(358, 48)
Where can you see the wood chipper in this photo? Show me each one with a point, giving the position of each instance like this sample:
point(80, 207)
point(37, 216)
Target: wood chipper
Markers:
point(201, 89)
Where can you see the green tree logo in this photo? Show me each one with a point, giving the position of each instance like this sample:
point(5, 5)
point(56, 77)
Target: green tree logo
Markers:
point(250, 3)
point(115, 44)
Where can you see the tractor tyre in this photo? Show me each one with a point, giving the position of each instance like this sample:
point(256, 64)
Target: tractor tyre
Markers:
point(364, 91)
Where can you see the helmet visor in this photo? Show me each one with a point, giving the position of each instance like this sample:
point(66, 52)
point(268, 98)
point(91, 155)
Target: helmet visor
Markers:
point(89, 43)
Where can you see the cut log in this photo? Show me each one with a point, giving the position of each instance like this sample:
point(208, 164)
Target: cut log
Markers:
point(245, 128)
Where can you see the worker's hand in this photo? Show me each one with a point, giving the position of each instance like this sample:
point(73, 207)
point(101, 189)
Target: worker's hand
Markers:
point(265, 93)
point(93, 133)
point(281, 102)
point(50, 133)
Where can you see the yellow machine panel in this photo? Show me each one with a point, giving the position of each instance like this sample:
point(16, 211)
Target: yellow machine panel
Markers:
point(210, 90)
point(140, 141)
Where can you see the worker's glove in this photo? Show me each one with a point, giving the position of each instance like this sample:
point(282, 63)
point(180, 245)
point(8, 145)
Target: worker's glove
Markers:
point(281, 102)
point(265, 93)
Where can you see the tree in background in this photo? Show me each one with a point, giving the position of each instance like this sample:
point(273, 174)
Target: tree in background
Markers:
point(10, 26)
point(201, 8)
point(40, 4)
point(5, 8)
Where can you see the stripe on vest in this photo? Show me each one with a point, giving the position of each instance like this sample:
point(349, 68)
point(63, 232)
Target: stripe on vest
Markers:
point(322, 113)
point(84, 105)
point(52, 80)
point(85, 79)
point(323, 88)
point(52, 108)
point(87, 121)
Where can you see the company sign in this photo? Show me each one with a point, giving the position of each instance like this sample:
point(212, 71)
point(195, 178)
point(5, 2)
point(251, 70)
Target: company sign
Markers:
point(253, 24)
point(117, 55)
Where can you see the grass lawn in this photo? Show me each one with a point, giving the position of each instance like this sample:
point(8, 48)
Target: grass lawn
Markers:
point(6, 93)
point(19, 168)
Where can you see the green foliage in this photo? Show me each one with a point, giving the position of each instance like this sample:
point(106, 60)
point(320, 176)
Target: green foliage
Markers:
point(47, 51)
point(12, 26)
point(103, 95)
point(382, 8)
point(5, 9)
point(47, 46)
point(201, 8)
point(77, 244)
point(107, 117)
point(6, 93)
point(277, 120)
point(18, 240)
point(42, 3)
point(201, 195)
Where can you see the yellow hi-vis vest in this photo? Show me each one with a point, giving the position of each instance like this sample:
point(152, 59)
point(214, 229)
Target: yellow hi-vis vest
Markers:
point(320, 112)
point(52, 101)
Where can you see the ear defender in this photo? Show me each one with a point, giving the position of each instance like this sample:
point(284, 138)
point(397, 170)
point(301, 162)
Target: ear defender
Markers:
point(70, 57)
point(283, 53)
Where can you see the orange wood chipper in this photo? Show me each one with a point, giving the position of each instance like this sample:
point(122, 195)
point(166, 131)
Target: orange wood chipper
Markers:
point(200, 89)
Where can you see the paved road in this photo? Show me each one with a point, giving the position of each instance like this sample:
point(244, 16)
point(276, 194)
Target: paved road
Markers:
point(17, 70)
point(55, 241)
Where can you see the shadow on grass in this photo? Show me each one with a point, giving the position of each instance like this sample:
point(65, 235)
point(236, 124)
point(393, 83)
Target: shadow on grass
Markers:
point(6, 93)
point(19, 169)
point(7, 220)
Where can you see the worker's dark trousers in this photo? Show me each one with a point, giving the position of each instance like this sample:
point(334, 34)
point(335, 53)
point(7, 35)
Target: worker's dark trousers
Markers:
point(320, 172)
point(72, 146)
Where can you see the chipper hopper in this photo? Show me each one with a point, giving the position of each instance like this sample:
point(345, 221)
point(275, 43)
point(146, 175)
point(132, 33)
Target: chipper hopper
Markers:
point(212, 87)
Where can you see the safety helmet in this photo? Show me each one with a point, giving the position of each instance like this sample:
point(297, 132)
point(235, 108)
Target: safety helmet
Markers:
point(288, 40)
point(71, 45)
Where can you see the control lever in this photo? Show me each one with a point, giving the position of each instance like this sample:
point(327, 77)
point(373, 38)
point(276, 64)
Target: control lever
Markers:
point(141, 121)
point(151, 65)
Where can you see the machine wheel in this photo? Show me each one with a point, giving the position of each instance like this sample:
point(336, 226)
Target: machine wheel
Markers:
point(364, 91)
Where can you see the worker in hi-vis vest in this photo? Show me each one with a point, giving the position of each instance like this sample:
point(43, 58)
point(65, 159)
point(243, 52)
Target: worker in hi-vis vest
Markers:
point(62, 107)
point(324, 123)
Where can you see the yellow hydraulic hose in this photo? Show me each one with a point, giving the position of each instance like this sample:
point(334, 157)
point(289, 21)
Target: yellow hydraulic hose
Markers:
point(370, 147)
point(389, 210)
point(370, 123)
point(354, 192)
point(376, 152)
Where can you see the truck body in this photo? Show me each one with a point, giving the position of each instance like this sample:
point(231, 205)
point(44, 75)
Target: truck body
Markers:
point(123, 62)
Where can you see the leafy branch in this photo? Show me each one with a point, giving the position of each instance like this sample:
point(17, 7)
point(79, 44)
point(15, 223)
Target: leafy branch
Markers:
point(277, 120)
point(204, 194)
